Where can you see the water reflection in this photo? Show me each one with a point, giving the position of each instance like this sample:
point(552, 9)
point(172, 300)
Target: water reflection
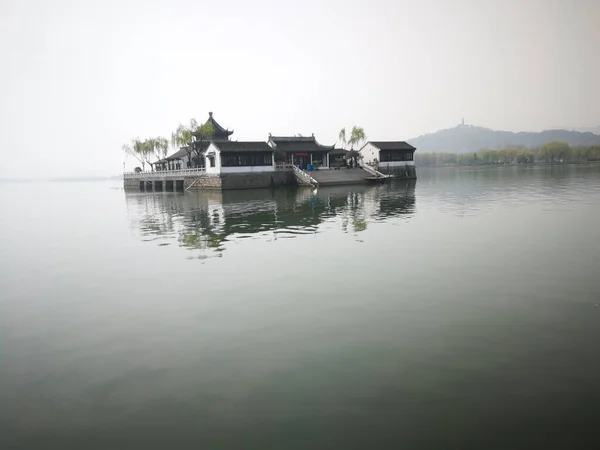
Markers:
point(467, 191)
point(205, 220)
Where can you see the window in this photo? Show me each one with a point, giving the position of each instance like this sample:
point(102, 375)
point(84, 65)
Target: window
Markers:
point(211, 160)
point(393, 156)
point(246, 159)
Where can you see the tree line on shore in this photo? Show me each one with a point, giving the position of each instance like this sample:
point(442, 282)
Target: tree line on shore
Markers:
point(551, 153)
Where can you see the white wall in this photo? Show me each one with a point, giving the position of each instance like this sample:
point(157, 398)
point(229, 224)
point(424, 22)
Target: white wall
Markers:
point(212, 150)
point(246, 169)
point(218, 168)
point(369, 153)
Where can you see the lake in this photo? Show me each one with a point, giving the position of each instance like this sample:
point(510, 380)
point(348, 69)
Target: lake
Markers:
point(460, 311)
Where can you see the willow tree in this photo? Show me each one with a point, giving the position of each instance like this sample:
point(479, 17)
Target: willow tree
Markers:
point(552, 151)
point(357, 137)
point(342, 137)
point(205, 132)
point(140, 150)
point(183, 136)
point(158, 146)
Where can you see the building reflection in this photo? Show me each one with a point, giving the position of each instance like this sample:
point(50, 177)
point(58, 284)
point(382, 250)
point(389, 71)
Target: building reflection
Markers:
point(205, 220)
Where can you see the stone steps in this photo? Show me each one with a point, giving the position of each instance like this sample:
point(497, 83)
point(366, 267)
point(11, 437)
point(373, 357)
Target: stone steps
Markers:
point(338, 177)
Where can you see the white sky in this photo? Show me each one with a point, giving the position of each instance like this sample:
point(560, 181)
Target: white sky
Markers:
point(79, 78)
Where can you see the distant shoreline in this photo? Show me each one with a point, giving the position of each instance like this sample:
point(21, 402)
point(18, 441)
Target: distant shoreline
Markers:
point(535, 164)
point(60, 179)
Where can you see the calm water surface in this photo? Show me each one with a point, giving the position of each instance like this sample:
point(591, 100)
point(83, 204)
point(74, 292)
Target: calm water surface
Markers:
point(458, 312)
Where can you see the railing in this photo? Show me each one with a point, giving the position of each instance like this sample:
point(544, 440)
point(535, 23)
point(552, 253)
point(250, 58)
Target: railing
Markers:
point(166, 173)
point(304, 176)
point(284, 166)
point(373, 171)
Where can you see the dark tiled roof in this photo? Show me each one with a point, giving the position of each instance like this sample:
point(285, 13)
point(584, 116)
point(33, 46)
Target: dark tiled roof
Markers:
point(392, 145)
point(293, 144)
point(201, 145)
point(338, 151)
point(246, 147)
point(220, 132)
point(292, 138)
point(183, 151)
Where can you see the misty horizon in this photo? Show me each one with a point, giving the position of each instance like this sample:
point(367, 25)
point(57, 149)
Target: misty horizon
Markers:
point(81, 80)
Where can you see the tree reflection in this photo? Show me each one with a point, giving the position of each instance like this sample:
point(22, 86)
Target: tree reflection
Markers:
point(204, 220)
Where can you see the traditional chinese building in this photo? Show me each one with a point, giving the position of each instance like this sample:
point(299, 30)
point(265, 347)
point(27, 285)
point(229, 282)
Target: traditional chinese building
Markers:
point(302, 151)
point(219, 133)
point(192, 156)
point(390, 157)
point(217, 162)
point(238, 157)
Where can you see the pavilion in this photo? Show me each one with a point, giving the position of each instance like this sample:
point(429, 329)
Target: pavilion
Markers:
point(302, 151)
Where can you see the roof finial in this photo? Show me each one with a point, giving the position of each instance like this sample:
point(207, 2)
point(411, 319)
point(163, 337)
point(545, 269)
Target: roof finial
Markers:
point(210, 114)
point(269, 134)
point(313, 135)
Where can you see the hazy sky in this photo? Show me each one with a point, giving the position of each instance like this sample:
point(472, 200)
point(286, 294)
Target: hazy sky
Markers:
point(81, 77)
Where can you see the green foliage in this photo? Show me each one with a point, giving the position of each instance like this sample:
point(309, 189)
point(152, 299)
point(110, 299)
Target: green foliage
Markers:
point(465, 159)
point(182, 136)
point(354, 156)
point(551, 152)
point(158, 146)
point(140, 150)
point(357, 136)
point(359, 224)
point(342, 137)
point(554, 151)
point(205, 131)
point(585, 154)
point(525, 157)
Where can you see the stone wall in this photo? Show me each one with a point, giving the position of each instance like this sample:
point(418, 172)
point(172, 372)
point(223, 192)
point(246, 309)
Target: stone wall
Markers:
point(399, 171)
point(205, 182)
point(223, 181)
point(131, 183)
point(257, 180)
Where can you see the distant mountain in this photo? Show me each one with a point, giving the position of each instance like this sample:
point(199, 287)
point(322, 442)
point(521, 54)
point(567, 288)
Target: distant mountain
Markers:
point(595, 130)
point(468, 138)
